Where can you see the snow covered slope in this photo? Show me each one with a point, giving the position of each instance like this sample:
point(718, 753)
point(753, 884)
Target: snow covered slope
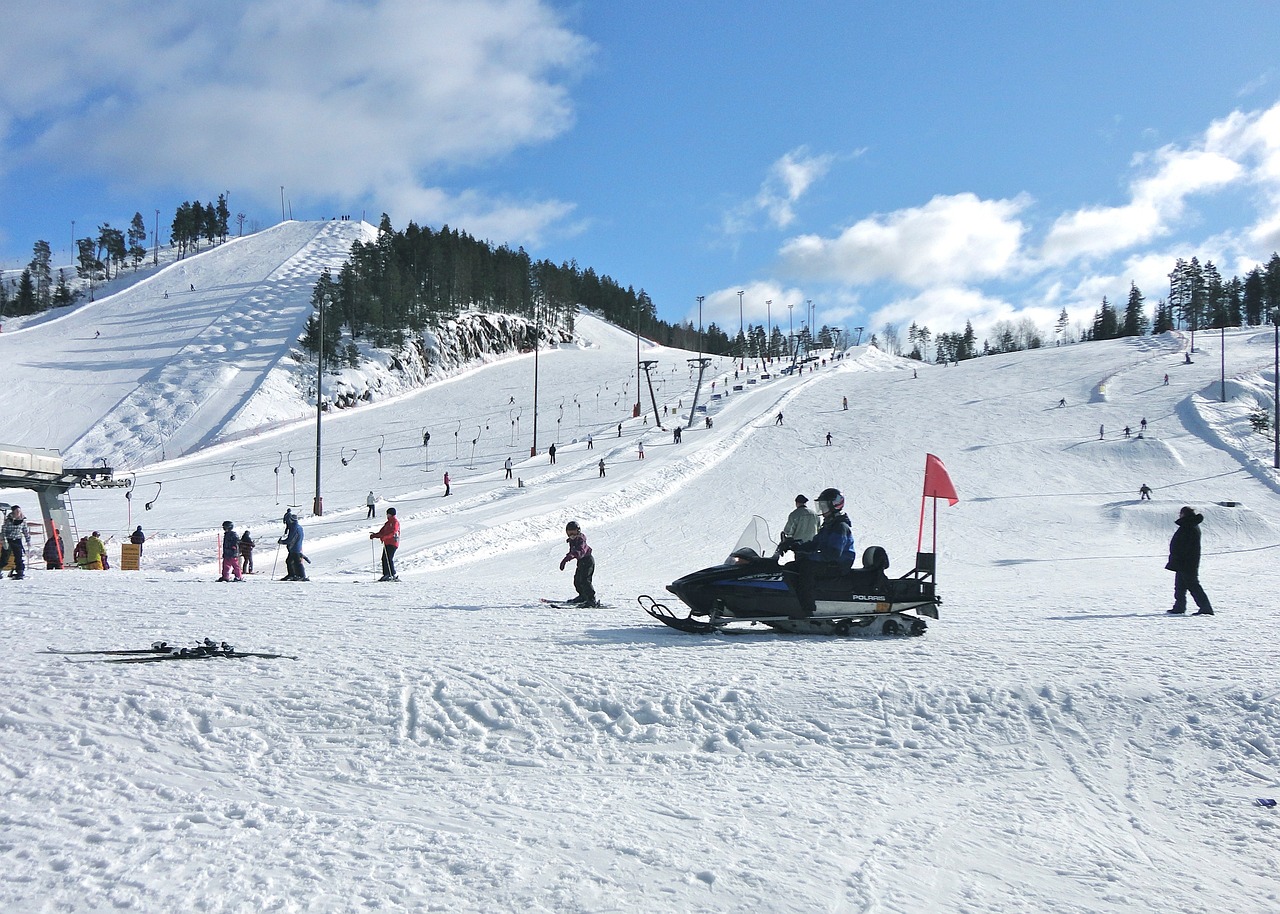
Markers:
point(157, 369)
point(1056, 742)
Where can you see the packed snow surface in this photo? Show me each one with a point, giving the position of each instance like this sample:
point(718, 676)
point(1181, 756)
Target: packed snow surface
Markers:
point(1055, 742)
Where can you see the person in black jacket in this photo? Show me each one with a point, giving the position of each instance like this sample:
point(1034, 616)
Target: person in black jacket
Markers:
point(1184, 562)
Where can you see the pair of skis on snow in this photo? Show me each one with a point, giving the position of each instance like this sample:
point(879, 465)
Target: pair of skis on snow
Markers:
point(163, 651)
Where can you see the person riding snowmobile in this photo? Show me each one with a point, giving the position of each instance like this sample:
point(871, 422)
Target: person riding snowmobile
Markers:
point(830, 554)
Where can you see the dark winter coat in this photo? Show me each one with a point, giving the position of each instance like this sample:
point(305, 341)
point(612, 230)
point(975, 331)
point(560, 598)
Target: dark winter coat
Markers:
point(230, 545)
point(293, 535)
point(1184, 547)
point(833, 544)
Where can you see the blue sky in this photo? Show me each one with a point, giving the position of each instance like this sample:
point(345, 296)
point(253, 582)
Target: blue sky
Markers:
point(890, 162)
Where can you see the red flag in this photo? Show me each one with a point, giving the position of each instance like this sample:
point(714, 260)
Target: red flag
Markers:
point(937, 484)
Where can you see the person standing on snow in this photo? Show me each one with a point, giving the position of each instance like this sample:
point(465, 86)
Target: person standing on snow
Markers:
point(581, 552)
point(95, 552)
point(53, 550)
point(230, 554)
point(446, 483)
point(507, 466)
point(369, 502)
point(389, 533)
point(246, 552)
point(292, 542)
point(137, 537)
point(829, 554)
point(1144, 493)
point(801, 526)
point(1184, 562)
point(17, 539)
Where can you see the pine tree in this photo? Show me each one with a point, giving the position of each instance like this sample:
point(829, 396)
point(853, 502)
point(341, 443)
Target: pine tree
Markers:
point(1135, 317)
point(42, 274)
point(137, 234)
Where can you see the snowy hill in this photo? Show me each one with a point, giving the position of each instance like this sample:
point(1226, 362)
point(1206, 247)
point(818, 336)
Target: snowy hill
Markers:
point(1055, 742)
point(158, 368)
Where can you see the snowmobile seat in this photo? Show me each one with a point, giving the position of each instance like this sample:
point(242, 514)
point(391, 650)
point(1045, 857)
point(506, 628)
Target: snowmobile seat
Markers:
point(871, 577)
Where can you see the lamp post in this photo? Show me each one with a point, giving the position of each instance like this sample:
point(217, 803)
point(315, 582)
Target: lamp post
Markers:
point(768, 334)
point(1275, 393)
point(700, 300)
point(317, 507)
point(742, 332)
point(155, 242)
point(635, 411)
point(791, 329)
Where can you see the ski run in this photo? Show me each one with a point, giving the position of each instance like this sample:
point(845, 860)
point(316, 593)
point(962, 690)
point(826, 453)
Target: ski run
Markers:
point(1054, 742)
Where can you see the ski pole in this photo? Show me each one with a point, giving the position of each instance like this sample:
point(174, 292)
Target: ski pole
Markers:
point(373, 555)
point(273, 562)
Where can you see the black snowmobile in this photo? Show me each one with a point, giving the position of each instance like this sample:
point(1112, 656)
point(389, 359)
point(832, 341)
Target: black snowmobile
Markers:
point(752, 588)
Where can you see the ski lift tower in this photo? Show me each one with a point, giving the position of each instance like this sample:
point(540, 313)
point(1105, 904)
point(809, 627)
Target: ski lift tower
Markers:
point(645, 366)
point(702, 362)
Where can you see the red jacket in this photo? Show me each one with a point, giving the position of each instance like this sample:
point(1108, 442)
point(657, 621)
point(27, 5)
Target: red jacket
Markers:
point(390, 532)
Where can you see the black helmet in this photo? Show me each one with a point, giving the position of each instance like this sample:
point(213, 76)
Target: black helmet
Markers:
point(227, 525)
point(391, 511)
point(830, 500)
point(571, 526)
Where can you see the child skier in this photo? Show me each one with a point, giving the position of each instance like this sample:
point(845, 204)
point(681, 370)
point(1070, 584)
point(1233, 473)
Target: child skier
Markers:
point(579, 550)
point(389, 534)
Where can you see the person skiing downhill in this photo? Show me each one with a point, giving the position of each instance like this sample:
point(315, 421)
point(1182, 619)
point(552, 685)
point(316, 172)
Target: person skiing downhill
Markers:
point(579, 551)
point(230, 553)
point(389, 533)
point(829, 554)
point(1184, 562)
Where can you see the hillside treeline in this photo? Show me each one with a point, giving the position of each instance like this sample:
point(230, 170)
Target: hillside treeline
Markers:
point(101, 255)
point(406, 281)
point(1199, 299)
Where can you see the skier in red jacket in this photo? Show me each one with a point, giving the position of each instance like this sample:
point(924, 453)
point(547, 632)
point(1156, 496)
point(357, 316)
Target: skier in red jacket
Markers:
point(389, 533)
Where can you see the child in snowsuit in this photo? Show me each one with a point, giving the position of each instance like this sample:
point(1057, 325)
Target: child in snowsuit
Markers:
point(389, 533)
point(230, 553)
point(246, 552)
point(581, 552)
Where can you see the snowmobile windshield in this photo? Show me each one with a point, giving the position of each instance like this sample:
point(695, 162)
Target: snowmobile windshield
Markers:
point(754, 542)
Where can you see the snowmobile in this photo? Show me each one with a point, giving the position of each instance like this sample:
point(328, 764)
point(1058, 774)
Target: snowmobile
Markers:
point(753, 589)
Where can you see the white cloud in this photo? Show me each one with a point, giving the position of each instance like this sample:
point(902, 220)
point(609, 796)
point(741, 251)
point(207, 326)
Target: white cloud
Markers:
point(1156, 201)
point(950, 239)
point(947, 308)
point(352, 101)
point(789, 178)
